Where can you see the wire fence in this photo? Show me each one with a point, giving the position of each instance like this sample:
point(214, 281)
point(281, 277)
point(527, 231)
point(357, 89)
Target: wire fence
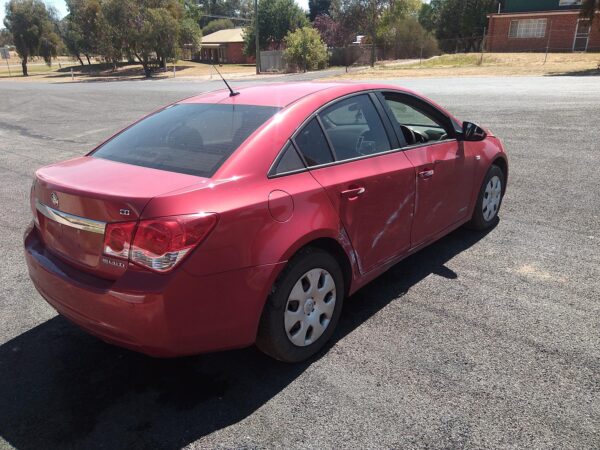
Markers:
point(555, 39)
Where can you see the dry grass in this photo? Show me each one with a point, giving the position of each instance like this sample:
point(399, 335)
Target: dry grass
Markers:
point(104, 72)
point(493, 64)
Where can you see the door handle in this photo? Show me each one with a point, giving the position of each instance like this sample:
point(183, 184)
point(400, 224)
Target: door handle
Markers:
point(426, 174)
point(353, 193)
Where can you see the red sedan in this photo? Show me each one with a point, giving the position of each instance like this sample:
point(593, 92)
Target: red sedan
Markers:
point(235, 218)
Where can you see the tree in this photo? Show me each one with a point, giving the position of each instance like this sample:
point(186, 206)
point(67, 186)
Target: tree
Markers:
point(84, 23)
point(429, 15)
point(317, 8)
point(216, 25)
point(275, 19)
point(589, 9)
point(405, 37)
point(459, 24)
point(5, 38)
point(71, 36)
point(151, 31)
point(32, 28)
point(190, 33)
point(305, 49)
point(333, 33)
point(212, 9)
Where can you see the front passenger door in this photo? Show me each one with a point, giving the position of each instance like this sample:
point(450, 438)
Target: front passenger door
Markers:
point(444, 169)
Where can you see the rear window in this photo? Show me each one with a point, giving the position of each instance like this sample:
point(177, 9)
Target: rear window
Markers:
point(190, 138)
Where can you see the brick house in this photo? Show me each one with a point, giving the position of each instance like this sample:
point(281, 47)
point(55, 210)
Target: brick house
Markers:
point(534, 25)
point(224, 47)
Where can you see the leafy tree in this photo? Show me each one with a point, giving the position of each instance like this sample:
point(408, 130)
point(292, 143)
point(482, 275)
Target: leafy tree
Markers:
point(190, 33)
point(305, 49)
point(429, 15)
point(459, 24)
point(151, 31)
point(333, 32)
point(317, 8)
point(589, 9)
point(405, 37)
point(224, 8)
point(32, 28)
point(71, 36)
point(275, 19)
point(217, 25)
point(85, 23)
point(5, 38)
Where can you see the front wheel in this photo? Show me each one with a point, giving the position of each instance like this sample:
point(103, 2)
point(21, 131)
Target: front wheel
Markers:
point(489, 200)
point(304, 307)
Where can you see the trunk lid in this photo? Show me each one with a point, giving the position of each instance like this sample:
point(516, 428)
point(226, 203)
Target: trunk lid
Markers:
point(72, 202)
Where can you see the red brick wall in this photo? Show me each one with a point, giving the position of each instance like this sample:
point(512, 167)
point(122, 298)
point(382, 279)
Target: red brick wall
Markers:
point(560, 33)
point(235, 54)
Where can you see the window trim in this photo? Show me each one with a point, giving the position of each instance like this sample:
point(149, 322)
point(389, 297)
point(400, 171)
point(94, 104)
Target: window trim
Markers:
point(518, 23)
point(377, 101)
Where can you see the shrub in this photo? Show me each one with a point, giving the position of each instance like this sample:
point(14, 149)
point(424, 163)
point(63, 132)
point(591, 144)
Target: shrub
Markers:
point(305, 49)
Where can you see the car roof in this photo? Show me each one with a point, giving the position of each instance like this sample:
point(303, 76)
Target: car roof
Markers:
point(279, 94)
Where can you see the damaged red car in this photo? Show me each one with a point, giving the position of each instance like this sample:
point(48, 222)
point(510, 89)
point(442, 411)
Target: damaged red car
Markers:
point(235, 218)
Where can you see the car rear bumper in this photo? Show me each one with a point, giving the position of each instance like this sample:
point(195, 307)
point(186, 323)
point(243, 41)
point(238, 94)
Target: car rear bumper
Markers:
point(167, 315)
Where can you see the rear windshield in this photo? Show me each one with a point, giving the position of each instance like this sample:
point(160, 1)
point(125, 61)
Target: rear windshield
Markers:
point(190, 138)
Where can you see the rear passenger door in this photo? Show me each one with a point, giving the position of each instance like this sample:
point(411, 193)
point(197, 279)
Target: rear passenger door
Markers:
point(351, 148)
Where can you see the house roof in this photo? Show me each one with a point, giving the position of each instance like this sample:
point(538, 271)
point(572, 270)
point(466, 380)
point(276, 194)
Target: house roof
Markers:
point(224, 36)
point(509, 6)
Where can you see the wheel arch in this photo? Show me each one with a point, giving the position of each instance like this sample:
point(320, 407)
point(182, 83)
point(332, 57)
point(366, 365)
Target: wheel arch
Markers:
point(502, 164)
point(339, 247)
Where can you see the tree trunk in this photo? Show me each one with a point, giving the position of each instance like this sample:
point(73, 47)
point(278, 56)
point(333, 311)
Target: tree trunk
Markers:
point(88, 60)
point(80, 60)
point(24, 67)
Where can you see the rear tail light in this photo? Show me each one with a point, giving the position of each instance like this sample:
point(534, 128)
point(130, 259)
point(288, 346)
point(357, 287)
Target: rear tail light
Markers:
point(158, 244)
point(117, 239)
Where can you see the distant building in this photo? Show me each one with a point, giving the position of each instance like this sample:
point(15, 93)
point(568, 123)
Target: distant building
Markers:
point(534, 25)
point(224, 47)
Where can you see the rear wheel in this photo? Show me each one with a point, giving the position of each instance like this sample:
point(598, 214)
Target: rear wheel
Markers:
point(489, 200)
point(304, 308)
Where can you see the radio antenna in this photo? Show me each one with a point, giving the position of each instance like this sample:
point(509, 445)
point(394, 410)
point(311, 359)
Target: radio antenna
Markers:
point(232, 93)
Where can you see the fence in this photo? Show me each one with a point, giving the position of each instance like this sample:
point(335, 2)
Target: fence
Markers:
point(272, 61)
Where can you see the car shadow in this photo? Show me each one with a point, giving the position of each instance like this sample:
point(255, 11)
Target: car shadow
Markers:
point(61, 388)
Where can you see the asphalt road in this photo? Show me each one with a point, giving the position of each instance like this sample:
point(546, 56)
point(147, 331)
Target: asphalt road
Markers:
point(481, 340)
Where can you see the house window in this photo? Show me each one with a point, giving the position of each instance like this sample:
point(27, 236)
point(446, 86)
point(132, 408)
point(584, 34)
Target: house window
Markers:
point(528, 28)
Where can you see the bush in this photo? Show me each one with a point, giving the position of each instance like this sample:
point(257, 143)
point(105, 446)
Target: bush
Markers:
point(305, 49)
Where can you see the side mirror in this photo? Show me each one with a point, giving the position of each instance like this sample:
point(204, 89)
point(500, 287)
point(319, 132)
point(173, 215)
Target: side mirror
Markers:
point(472, 132)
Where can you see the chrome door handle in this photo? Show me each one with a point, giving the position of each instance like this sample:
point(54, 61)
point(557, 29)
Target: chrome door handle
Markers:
point(353, 193)
point(426, 174)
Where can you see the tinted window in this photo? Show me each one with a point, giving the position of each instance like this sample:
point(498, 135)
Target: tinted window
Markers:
point(289, 161)
point(187, 138)
point(355, 128)
point(313, 145)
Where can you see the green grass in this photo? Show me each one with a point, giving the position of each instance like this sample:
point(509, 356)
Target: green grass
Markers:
point(31, 69)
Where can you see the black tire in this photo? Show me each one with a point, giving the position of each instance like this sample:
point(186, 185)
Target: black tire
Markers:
point(272, 337)
point(478, 221)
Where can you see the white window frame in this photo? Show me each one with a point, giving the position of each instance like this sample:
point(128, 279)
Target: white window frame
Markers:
point(570, 2)
point(527, 28)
